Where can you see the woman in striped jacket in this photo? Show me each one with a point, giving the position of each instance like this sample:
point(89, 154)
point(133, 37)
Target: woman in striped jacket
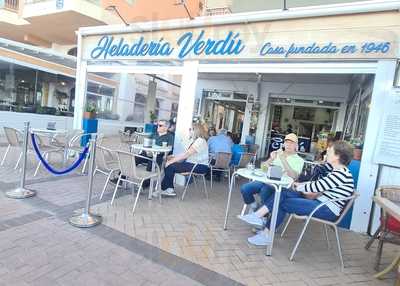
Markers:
point(303, 198)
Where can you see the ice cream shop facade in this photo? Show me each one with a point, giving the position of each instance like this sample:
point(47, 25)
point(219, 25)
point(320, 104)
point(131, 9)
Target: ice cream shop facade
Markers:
point(328, 68)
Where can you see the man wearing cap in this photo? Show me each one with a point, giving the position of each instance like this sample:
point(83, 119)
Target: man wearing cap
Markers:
point(291, 164)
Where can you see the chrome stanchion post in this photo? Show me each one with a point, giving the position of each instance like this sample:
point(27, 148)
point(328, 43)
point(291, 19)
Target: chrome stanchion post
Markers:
point(87, 219)
point(21, 192)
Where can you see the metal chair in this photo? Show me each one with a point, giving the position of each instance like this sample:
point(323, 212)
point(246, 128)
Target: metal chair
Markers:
point(45, 148)
point(193, 174)
point(350, 201)
point(74, 145)
point(13, 138)
point(222, 164)
point(389, 229)
point(106, 164)
point(132, 174)
point(245, 158)
point(126, 139)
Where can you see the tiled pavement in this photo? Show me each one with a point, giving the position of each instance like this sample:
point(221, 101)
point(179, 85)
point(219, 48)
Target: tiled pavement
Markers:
point(175, 243)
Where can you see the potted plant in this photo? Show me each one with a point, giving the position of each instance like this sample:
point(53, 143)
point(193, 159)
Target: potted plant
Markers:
point(90, 112)
point(153, 116)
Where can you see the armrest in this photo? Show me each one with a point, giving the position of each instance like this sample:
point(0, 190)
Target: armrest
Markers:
point(332, 201)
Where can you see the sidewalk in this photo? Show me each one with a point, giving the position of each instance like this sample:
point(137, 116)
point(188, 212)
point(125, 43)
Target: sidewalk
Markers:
point(175, 243)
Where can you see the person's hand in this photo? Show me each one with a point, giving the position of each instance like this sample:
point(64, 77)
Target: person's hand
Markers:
point(273, 155)
point(311, 196)
point(170, 157)
point(169, 162)
point(295, 185)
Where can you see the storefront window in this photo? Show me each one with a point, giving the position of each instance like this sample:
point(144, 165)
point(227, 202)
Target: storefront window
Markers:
point(24, 89)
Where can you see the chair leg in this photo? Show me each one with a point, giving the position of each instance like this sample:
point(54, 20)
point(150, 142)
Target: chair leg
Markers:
point(185, 189)
point(327, 236)
point(286, 225)
point(379, 250)
point(37, 168)
point(373, 238)
point(243, 209)
point(19, 160)
point(137, 197)
point(205, 185)
point(105, 185)
point(116, 189)
point(5, 155)
point(339, 247)
point(299, 240)
point(84, 164)
point(211, 178)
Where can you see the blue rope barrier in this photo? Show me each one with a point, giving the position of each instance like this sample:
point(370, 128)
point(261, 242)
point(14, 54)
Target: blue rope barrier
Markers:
point(50, 168)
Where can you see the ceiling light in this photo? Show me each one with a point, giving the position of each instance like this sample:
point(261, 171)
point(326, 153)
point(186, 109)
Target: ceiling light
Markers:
point(63, 83)
point(320, 101)
point(22, 81)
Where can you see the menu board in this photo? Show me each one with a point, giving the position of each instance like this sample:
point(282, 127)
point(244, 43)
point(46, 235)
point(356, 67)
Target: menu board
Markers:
point(387, 150)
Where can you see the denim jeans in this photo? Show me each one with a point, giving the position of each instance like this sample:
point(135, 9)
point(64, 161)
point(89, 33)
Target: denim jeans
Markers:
point(294, 203)
point(180, 167)
point(248, 191)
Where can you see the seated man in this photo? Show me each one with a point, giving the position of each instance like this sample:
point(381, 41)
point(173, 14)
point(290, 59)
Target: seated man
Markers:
point(220, 143)
point(303, 198)
point(291, 163)
point(163, 135)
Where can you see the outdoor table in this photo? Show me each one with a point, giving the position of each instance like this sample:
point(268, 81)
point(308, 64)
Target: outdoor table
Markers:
point(277, 184)
point(154, 150)
point(393, 209)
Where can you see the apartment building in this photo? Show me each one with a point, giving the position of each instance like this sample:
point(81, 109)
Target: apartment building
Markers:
point(38, 60)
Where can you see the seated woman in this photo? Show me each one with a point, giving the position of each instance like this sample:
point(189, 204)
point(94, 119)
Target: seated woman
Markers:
point(196, 154)
point(303, 198)
point(291, 163)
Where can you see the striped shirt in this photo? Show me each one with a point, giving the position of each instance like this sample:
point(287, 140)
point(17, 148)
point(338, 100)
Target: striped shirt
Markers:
point(338, 184)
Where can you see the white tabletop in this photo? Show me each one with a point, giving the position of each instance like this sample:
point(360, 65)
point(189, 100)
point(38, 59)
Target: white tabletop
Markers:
point(250, 174)
point(154, 148)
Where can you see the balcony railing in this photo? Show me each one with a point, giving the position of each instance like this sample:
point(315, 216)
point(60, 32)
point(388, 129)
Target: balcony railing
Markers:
point(218, 11)
point(9, 4)
point(60, 3)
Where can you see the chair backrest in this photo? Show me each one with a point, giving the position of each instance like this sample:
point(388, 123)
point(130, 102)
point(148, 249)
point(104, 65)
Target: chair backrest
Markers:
point(103, 155)
point(245, 158)
point(76, 140)
point(127, 164)
point(222, 160)
point(253, 148)
point(349, 204)
point(125, 137)
point(391, 193)
point(12, 136)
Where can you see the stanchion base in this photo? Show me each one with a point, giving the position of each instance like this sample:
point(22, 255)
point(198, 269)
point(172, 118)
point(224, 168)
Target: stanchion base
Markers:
point(20, 193)
point(85, 220)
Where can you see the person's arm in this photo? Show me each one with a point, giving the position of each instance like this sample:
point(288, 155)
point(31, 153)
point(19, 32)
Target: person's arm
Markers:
point(182, 157)
point(332, 180)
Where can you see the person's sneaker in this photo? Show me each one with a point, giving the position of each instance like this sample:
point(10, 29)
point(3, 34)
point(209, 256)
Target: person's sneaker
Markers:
point(155, 194)
point(252, 219)
point(168, 192)
point(260, 239)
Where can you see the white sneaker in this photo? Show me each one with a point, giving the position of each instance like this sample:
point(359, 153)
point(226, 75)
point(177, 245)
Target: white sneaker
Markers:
point(155, 194)
point(168, 192)
point(260, 239)
point(252, 219)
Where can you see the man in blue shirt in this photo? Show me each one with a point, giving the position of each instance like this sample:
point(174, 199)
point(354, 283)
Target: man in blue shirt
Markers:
point(220, 143)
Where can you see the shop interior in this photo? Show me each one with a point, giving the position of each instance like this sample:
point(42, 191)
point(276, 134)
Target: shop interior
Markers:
point(267, 106)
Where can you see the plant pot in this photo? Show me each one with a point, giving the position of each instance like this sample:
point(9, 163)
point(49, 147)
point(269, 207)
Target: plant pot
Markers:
point(89, 115)
point(357, 153)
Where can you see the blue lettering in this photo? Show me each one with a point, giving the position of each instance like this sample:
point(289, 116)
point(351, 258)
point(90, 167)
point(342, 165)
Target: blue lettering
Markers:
point(102, 47)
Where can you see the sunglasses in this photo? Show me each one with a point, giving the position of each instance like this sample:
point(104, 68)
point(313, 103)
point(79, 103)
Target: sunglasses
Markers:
point(161, 125)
